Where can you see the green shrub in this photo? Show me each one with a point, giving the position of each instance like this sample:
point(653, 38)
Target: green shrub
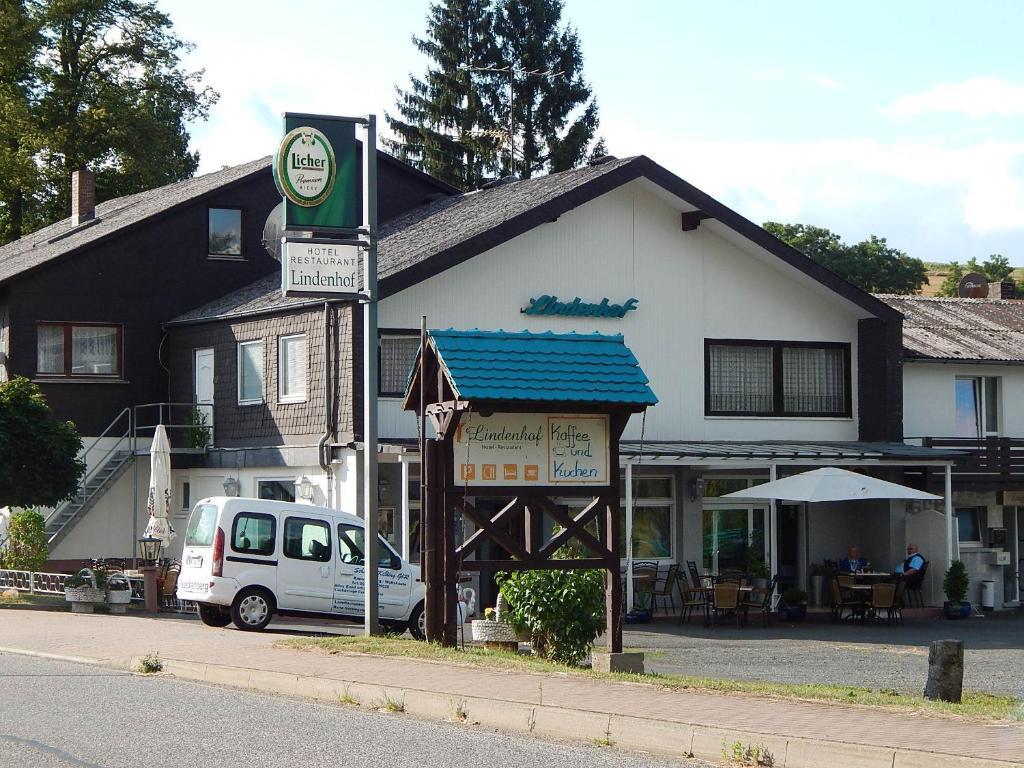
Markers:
point(197, 434)
point(27, 548)
point(562, 610)
point(955, 582)
point(793, 596)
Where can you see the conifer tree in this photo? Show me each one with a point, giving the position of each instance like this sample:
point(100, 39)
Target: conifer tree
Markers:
point(444, 122)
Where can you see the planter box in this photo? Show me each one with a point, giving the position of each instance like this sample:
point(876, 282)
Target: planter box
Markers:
point(83, 599)
point(956, 611)
point(118, 600)
point(638, 616)
point(792, 612)
point(485, 631)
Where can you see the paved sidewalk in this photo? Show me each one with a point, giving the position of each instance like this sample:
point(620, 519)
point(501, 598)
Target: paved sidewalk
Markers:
point(636, 716)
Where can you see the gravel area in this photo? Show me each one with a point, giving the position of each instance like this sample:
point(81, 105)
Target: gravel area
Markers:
point(850, 654)
point(64, 715)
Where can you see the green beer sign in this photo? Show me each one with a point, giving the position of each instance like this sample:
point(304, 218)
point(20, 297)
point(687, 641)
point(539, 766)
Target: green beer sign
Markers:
point(316, 169)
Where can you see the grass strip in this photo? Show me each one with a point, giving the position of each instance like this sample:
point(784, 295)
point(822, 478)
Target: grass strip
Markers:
point(975, 705)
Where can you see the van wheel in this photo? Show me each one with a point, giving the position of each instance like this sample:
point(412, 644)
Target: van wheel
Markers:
point(418, 623)
point(214, 616)
point(252, 609)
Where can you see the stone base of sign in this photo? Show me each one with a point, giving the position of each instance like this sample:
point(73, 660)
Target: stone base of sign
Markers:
point(630, 662)
point(80, 607)
point(945, 670)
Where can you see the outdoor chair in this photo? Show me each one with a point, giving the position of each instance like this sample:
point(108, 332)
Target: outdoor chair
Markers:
point(843, 600)
point(883, 598)
point(645, 578)
point(667, 588)
point(897, 601)
point(914, 585)
point(760, 598)
point(168, 598)
point(692, 599)
point(696, 580)
point(726, 596)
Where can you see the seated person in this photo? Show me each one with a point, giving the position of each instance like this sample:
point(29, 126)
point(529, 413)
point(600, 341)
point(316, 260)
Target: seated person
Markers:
point(853, 562)
point(913, 563)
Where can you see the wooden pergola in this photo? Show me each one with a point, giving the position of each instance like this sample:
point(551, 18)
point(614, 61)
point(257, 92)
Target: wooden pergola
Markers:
point(551, 408)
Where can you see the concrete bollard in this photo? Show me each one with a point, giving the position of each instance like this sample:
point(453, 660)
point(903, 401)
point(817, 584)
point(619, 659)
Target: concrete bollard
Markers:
point(945, 671)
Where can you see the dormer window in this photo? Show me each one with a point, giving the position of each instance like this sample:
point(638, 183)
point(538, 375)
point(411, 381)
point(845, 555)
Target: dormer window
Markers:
point(225, 234)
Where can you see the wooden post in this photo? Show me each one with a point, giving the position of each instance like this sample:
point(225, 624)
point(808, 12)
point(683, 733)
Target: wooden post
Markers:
point(613, 588)
point(432, 553)
point(449, 561)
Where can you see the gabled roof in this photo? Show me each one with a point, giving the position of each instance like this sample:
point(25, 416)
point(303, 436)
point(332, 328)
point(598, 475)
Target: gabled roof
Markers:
point(557, 367)
point(437, 236)
point(59, 239)
point(987, 330)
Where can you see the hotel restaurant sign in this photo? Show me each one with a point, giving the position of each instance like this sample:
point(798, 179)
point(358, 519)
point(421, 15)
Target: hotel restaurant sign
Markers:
point(532, 449)
point(316, 169)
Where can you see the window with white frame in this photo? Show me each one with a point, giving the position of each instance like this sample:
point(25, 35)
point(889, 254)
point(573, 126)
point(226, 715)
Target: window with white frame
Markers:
point(291, 368)
point(250, 372)
point(397, 356)
point(977, 406)
point(776, 378)
point(78, 349)
point(652, 517)
point(969, 524)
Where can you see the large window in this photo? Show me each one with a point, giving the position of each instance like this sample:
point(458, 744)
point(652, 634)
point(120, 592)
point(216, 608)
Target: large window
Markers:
point(225, 233)
point(776, 378)
point(652, 517)
point(977, 406)
point(968, 524)
point(253, 533)
point(250, 372)
point(307, 540)
point(75, 349)
point(291, 369)
point(397, 356)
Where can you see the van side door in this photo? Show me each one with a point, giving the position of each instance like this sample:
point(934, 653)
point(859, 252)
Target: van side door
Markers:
point(305, 575)
point(393, 584)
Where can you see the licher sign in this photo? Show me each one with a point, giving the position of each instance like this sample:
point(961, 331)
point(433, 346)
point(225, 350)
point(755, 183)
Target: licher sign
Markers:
point(531, 449)
point(550, 305)
point(316, 169)
point(320, 268)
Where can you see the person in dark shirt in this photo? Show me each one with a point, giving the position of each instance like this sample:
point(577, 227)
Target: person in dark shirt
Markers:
point(853, 562)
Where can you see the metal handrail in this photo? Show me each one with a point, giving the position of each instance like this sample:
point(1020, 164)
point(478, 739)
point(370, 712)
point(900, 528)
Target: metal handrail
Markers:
point(99, 465)
point(168, 423)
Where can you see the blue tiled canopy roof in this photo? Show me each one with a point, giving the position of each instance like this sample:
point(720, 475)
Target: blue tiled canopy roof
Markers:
point(563, 367)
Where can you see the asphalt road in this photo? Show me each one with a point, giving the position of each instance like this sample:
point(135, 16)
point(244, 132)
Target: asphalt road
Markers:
point(60, 715)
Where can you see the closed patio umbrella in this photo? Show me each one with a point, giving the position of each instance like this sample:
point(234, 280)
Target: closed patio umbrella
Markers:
point(159, 502)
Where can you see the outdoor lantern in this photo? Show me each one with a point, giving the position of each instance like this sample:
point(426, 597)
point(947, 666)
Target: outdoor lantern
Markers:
point(383, 488)
point(149, 549)
point(231, 486)
point(304, 488)
point(697, 488)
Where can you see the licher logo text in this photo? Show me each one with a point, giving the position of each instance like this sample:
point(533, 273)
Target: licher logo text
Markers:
point(305, 167)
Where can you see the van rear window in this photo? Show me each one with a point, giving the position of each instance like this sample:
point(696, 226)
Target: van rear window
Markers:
point(201, 526)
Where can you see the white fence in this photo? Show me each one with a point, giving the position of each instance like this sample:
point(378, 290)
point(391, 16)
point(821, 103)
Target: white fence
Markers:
point(33, 583)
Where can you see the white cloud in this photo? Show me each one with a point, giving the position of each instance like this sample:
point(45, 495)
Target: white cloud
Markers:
point(981, 183)
point(977, 98)
point(777, 73)
point(826, 82)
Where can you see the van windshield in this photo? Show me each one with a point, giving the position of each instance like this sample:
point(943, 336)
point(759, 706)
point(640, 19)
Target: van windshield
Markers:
point(201, 526)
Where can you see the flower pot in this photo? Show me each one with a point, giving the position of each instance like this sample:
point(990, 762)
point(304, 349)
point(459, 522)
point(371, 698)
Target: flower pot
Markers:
point(792, 612)
point(638, 616)
point(118, 599)
point(956, 610)
point(485, 631)
point(83, 599)
point(818, 589)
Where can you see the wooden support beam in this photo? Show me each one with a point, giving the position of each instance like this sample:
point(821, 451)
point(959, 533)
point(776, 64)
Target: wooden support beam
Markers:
point(539, 565)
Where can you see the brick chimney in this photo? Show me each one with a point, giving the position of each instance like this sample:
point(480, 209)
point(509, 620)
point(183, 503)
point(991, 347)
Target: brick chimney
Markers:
point(1003, 290)
point(83, 196)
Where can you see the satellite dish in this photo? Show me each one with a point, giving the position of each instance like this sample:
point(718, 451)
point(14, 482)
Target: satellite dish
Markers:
point(273, 231)
point(973, 285)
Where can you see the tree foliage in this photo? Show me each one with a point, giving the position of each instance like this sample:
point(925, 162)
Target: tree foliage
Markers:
point(562, 610)
point(996, 268)
point(39, 464)
point(95, 83)
point(870, 264)
point(502, 75)
point(26, 547)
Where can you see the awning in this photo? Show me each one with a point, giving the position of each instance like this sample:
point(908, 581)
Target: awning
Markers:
point(781, 452)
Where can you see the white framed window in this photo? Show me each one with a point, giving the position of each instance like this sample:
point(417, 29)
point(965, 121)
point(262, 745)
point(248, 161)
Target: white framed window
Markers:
point(396, 358)
point(250, 372)
point(653, 516)
point(977, 406)
point(969, 524)
point(292, 364)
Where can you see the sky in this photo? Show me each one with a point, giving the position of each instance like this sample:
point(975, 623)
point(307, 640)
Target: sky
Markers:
point(900, 119)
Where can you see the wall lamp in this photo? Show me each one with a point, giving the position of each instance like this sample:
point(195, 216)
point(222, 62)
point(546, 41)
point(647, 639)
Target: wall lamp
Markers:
point(231, 486)
point(697, 488)
point(304, 488)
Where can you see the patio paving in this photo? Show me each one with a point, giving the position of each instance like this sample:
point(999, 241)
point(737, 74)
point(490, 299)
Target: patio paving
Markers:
point(818, 651)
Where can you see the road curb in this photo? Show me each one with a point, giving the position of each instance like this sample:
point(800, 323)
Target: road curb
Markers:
point(663, 737)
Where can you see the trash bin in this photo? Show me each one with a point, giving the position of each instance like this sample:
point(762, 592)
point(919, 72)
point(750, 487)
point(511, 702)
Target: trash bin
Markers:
point(988, 595)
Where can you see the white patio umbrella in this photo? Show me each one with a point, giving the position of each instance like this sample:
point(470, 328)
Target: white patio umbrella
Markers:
point(159, 502)
point(828, 484)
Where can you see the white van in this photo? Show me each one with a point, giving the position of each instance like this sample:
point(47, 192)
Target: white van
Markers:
point(246, 559)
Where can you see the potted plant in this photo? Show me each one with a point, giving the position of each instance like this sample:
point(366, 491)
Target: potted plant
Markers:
point(757, 569)
point(820, 574)
point(84, 589)
point(119, 593)
point(494, 630)
point(955, 584)
point(793, 605)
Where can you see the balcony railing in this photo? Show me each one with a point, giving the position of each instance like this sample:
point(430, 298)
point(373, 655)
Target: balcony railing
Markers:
point(984, 463)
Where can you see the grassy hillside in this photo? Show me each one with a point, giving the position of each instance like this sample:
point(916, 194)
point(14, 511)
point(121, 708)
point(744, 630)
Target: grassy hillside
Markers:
point(937, 272)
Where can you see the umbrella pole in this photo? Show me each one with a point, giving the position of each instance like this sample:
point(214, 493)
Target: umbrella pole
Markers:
point(807, 545)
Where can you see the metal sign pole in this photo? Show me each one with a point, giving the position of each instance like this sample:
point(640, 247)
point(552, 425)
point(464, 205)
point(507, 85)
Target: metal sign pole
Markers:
point(371, 625)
